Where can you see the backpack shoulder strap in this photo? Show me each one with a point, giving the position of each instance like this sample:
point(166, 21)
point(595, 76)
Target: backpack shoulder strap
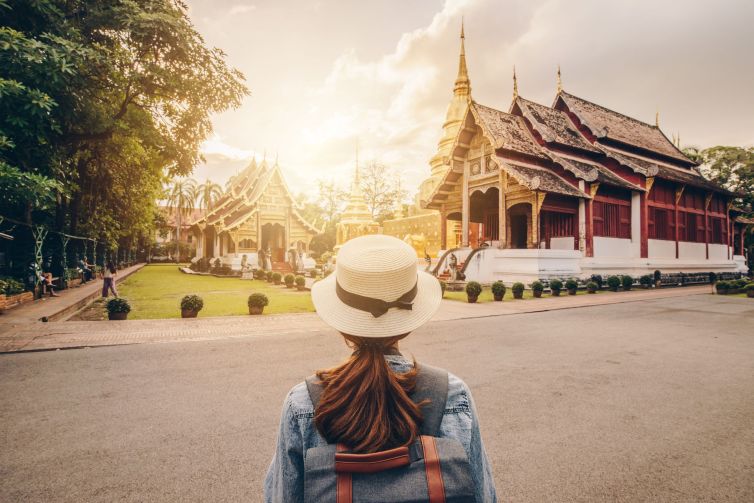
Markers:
point(431, 384)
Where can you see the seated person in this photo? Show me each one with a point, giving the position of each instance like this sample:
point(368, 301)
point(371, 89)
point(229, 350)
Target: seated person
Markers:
point(45, 279)
point(86, 272)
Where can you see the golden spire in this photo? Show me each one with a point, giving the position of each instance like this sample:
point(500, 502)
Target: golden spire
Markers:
point(657, 118)
point(515, 83)
point(560, 82)
point(463, 84)
point(356, 177)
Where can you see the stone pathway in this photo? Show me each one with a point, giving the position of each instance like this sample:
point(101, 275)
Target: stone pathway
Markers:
point(38, 336)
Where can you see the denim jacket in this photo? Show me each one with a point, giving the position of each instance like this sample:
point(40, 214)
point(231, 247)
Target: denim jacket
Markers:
point(285, 477)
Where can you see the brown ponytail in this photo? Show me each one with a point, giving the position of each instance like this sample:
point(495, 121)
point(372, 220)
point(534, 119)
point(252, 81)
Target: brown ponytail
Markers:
point(365, 405)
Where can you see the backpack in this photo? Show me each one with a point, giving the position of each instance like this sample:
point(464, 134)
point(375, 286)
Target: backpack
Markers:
point(431, 469)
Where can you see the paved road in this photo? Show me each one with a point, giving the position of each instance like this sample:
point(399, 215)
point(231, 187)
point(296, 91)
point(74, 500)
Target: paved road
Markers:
point(645, 401)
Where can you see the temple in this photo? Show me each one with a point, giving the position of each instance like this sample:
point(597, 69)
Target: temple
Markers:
point(572, 189)
point(256, 212)
point(356, 219)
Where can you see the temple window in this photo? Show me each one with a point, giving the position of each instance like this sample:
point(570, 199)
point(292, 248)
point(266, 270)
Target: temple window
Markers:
point(612, 213)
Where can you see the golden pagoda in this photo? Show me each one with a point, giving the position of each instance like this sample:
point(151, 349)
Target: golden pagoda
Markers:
point(357, 219)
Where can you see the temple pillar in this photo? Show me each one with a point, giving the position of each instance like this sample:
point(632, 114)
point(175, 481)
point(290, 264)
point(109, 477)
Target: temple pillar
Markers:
point(638, 223)
point(536, 205)
point(465, 209)
point(216, 244)
point(707, 200)
point(678, 194)
point(582, 220)
point(200, 245)
point(443, 229)
point(501, 211)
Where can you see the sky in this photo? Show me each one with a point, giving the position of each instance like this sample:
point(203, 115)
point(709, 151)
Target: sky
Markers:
point(326, 75)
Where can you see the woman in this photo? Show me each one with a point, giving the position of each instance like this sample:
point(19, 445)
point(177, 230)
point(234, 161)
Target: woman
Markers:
point(109, 281)
point(376, 401)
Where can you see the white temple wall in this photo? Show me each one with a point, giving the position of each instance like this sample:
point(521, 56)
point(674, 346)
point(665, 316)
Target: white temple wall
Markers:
point(718, 252)
point(692, 251)
point(615, 247)
point(565, 243)
point(661, 248)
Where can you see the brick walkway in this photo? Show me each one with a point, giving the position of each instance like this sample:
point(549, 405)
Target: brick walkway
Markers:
point(36, 336)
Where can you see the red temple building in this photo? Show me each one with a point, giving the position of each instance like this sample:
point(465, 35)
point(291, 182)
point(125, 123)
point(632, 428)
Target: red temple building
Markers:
point(574, 189)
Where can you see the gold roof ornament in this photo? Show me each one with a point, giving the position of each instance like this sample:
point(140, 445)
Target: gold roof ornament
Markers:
point(463, 84)
point(515, 83)
point(560, 82)
point(657, 118)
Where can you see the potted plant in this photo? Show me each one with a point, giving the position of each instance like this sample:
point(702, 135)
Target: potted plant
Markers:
point(536, 289)
point(191, 305)
point(289, 280)
point(645, 281)
point(498, 291)
point(300, 283)
point(750, 290)
point(722, 287)
point(571, 285)
point(741, 285)
point(118, 309)
point(658, 278)
point(592, 287)
point(555, 287)
point(257, 302)
point(276, 278)
point(627, 282)
point(597, 278)
point(443, 287)
point(259, 274)
point(613, 282)
point(473, 289)
point(518, 290)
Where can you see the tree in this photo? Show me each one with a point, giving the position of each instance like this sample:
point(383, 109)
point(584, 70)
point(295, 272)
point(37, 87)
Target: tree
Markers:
point(731, 167)
point(331, 198)
point(181, 200)
point(208, 194)
point(382, 191)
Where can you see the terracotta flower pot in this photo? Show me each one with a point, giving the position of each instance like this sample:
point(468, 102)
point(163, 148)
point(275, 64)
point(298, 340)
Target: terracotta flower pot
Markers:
point(277, 282)
point(498, 298)
point(750, 294)
point(537, 293)
point(472, 300)
point(188, 313)
point(571, 291)
point(591, 291)
point(255, 310)
point(613, 288)
point(556, 293)
point(117, 316)
point(301, 288)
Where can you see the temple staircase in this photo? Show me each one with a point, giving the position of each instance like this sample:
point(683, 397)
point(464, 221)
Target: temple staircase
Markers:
point(281, 267)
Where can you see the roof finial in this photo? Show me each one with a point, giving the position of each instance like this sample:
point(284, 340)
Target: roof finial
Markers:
point(463, 84)
point(560, 82)
point(276, 157)
point(356, 175)
point(515, 83)
point(657, 117)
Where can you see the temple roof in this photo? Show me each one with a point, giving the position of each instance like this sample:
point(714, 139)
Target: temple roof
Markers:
point(507, 131)
point(608, 124)
point(590, 171)
point(553, 125)
point(538, 178)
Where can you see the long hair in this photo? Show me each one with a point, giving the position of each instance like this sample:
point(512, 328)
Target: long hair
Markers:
point(366, 405)
point(111, 266)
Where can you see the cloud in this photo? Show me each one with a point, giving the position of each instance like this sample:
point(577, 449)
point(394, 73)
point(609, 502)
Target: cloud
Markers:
point(241, 9)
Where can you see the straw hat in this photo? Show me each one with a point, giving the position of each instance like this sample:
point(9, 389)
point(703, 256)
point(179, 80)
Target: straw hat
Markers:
point(376, 290)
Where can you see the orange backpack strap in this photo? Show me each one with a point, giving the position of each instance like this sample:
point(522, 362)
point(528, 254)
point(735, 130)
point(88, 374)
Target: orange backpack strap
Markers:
point(343, 483)
point(435, 485)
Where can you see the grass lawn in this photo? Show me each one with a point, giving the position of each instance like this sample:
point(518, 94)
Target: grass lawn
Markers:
point(486, 295)
point(156, 292)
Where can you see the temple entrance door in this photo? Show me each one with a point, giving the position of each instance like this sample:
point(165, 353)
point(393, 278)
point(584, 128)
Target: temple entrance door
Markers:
point(209, 242)
point(273, 237)
point(518, 231)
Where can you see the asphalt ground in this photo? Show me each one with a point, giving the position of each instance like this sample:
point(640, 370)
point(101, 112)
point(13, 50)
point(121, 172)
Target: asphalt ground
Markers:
point(643, 401)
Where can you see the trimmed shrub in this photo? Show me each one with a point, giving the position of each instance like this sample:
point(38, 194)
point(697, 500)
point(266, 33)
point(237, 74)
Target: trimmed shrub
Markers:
point(722, 287)
point(259, 274)
point(257, 300)
point(597, 278)
point(518, 290)
point(289, 279)
point(627, 282)
point(556, 286)
point(276, 277)
point(592, 287)
point(300, 281)
point(12, 286)
point(118, 305)
point(268, 276)
point(192, 303)
point(498, 290)
point(571, 285)
point(473, 289)
point(645, 281)
point(537, 287)
point(613, 282)
point(750, 290)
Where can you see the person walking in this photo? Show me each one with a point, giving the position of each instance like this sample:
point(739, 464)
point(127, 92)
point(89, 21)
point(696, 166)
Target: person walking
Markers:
point(109, 279)
point(379, 426)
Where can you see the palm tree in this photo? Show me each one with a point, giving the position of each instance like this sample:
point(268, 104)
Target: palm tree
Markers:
point(181, 197)
point(209, 192)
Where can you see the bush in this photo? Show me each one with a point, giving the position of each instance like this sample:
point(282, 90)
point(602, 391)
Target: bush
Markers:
point(257, 300)
point(556, 285)
point(592, 287)
point(571, 284)
point(722, 287)
point(712, 277)
point(217, 263)
point(645, 280)
point(192, 303)
point(498, 288)
point(300, 281)
point(289, 279)
point(627, 282)
point(537, 286)
point(657, 275)
point(597, 278)
point(276, 277)
point(12, 286)
point(259, 274)
point(749, 287)
point(518, 289)
point(741, 283)
point(118, 305)
point(613, 282)
point(473, 289)
point(268, 275)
